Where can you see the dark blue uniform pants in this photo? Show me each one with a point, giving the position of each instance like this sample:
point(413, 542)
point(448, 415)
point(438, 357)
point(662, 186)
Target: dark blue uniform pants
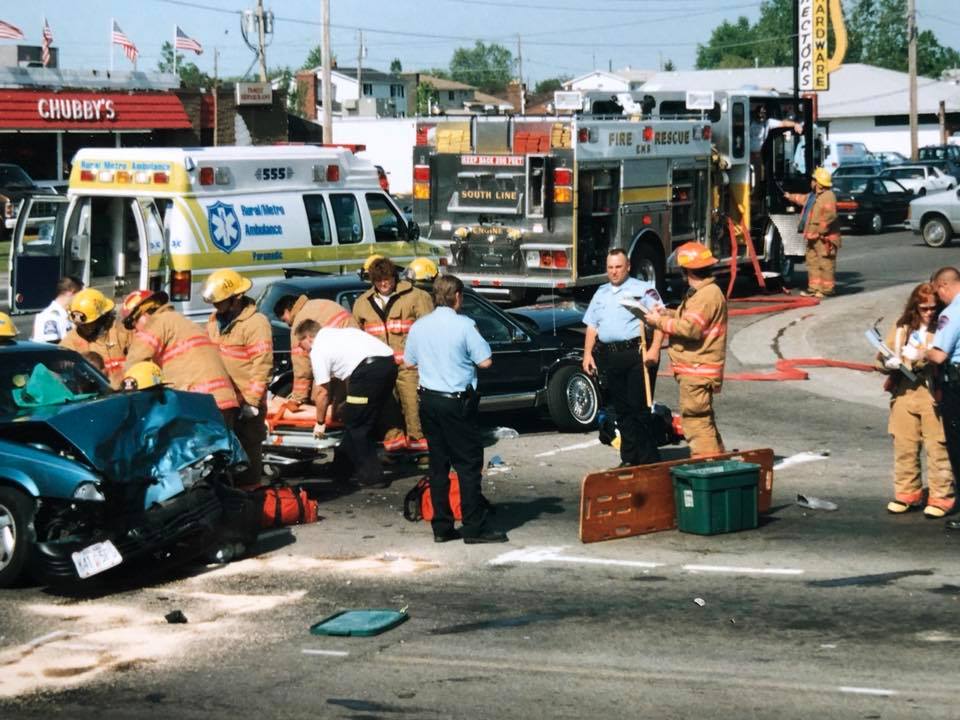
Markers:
point(369, 397)
point(624, 370)
point(450, 426)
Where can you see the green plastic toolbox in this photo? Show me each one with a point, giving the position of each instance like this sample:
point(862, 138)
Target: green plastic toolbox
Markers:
point(716, 497)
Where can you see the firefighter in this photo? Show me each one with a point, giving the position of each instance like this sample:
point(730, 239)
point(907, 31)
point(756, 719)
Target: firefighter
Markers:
point(188, 357)
point(293, 311)
point(387, 311)
point(697, 346)
point(97, 330)
point(914, 416)
point(365, 364)
point(8, 330)
point(246, 348)
point(820, 226)
point(142, 375)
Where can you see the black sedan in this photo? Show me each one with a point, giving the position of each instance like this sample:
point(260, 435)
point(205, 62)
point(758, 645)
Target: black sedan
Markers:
point(871, 203)
point(537, 350)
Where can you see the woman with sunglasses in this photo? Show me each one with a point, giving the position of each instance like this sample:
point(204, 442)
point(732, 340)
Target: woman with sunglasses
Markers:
point(914, 418)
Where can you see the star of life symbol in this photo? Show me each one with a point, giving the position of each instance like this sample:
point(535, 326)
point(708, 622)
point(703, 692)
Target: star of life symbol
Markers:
point(224, 226)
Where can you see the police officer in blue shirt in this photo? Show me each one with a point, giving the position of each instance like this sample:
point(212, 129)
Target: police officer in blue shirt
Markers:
point(946, 353)
point(447, 349)
point(612, 343)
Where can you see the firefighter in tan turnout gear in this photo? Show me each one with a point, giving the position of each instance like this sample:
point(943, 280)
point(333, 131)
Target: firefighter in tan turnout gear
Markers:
point(189, 359)
point(294, 310)
point(387, 311)
point(97, 330)
point(246, 348)
point(697, 346)
point(820, 226)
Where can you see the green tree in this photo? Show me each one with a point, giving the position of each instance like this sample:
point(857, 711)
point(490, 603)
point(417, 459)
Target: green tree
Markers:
point(728, 46)
point(550, 84)
point(315, 59)
point(295, 90)
point(190, 75)
point(426, 95)
point(396, 66)
point(488, 67)
point(669, 65)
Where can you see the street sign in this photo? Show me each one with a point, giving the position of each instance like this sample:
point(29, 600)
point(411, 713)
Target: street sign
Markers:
point(254, 93)
point(814, 57)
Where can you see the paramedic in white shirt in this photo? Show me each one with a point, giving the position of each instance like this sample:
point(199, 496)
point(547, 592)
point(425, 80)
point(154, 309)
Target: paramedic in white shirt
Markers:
point(52, 323)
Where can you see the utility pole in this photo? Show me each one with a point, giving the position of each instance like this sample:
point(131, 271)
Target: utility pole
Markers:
point(523, 99)
point(327, 81)
point(216, 98)
point(360, 73)
point(912, 69)
point(261, 42)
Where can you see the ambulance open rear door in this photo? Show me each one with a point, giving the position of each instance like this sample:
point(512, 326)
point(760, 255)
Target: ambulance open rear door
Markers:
point(36, 253)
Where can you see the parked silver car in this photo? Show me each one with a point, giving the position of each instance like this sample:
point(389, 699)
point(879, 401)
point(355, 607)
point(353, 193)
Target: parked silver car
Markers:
point(935, 217)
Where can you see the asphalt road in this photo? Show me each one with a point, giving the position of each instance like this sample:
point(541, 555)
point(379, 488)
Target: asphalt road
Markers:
point(844, 614)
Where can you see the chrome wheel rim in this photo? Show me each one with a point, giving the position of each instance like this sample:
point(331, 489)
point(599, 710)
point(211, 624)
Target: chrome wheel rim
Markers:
point(646, 271)
point(8, 536)
point(581, 399)
point(933, 233)
point(876, 223)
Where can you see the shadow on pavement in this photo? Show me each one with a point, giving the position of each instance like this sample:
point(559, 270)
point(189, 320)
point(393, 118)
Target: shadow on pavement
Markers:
point(513, 514)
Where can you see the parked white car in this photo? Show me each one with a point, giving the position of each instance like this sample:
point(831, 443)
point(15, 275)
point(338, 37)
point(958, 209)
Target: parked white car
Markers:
point(936, 217)
point(922, 179)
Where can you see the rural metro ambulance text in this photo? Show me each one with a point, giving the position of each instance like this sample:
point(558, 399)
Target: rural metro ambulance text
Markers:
point(190, 211)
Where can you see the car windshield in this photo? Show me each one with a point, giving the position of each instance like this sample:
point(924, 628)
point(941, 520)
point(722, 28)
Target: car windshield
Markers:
point(43, 379)
point(934, 153)
point(13, 177)
point(855, 170)
point(850, 184)
point(905, 173)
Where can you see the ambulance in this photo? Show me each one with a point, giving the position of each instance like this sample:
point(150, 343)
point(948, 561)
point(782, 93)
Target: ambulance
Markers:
point(166, 218)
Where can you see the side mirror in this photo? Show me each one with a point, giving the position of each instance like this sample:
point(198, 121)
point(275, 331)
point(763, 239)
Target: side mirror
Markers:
point(80, 247)
point(413, 230)
point(518, 336)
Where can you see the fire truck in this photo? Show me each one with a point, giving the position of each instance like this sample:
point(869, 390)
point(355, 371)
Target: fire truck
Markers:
point(523, 205)
point(755, 161)
point(526, 205)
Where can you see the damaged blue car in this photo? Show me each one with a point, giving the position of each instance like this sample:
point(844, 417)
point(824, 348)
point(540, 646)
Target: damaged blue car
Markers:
point(92, 479)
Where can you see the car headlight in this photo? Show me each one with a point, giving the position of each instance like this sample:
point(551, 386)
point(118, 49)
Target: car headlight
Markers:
point(88, 491)
point(197, 471)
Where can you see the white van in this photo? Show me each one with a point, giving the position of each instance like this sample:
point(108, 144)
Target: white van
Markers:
point(835, 154)
point(165, 218)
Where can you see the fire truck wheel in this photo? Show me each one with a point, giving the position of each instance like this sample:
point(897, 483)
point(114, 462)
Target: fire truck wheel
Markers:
point(572, 399)
point(646, 263)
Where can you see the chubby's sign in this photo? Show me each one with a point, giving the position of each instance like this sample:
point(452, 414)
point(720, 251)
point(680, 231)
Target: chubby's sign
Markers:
point(51, 110)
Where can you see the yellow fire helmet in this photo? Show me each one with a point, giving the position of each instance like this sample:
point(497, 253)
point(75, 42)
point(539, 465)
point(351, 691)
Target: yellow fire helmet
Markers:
point(89, 305)
point(421, 268)
point(695, 256)
point(224, 284)
point(7, 328)
point(822, 176)
point(365, 270)
point(142, 375)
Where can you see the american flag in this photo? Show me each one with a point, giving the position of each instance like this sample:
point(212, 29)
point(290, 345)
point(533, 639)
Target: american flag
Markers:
point(10, 32)
point(46, 41)
point(120, 38)
point(185, 42)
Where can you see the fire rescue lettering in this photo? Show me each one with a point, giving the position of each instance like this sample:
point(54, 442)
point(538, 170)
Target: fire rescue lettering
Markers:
point(672, 137)
point(488, 194)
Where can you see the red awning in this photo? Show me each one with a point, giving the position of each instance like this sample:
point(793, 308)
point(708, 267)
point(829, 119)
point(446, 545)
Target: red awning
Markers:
point(49, 110)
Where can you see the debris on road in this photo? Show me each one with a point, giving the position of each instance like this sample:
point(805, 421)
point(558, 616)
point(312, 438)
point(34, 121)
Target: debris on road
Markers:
point(495, 461)
point(504, 433)
point(699, 601)
point(815, 503)
point(175, 617)
point(359, 623)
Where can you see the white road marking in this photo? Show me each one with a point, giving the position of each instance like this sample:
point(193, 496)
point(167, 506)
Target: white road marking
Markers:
point(568, 448)
point(746, 570)
point(332, 653)
point(554, 554)
point(867, 691)
point(803, 457)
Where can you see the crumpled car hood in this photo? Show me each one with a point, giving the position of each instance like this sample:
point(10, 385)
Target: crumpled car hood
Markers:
point(145, 436)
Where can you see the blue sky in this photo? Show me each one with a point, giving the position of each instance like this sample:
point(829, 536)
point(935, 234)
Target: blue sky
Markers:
point(559, 37)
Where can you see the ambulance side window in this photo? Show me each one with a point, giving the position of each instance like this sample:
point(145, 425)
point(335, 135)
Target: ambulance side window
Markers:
point(388, 226)
point(317, 220)
point(346, 214)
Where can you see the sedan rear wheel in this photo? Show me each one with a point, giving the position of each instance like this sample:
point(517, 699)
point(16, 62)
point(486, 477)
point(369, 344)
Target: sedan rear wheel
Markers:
point(936, 232)
point(15, 515)
point(572, 399)
point(876, 223)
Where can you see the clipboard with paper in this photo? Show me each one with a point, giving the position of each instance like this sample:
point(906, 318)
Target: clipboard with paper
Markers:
point(642, 304)
point(876, 339)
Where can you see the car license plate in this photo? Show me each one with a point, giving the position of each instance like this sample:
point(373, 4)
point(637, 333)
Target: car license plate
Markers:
point(96, 558)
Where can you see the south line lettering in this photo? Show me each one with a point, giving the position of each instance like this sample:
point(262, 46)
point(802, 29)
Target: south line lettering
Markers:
point(488, 195)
